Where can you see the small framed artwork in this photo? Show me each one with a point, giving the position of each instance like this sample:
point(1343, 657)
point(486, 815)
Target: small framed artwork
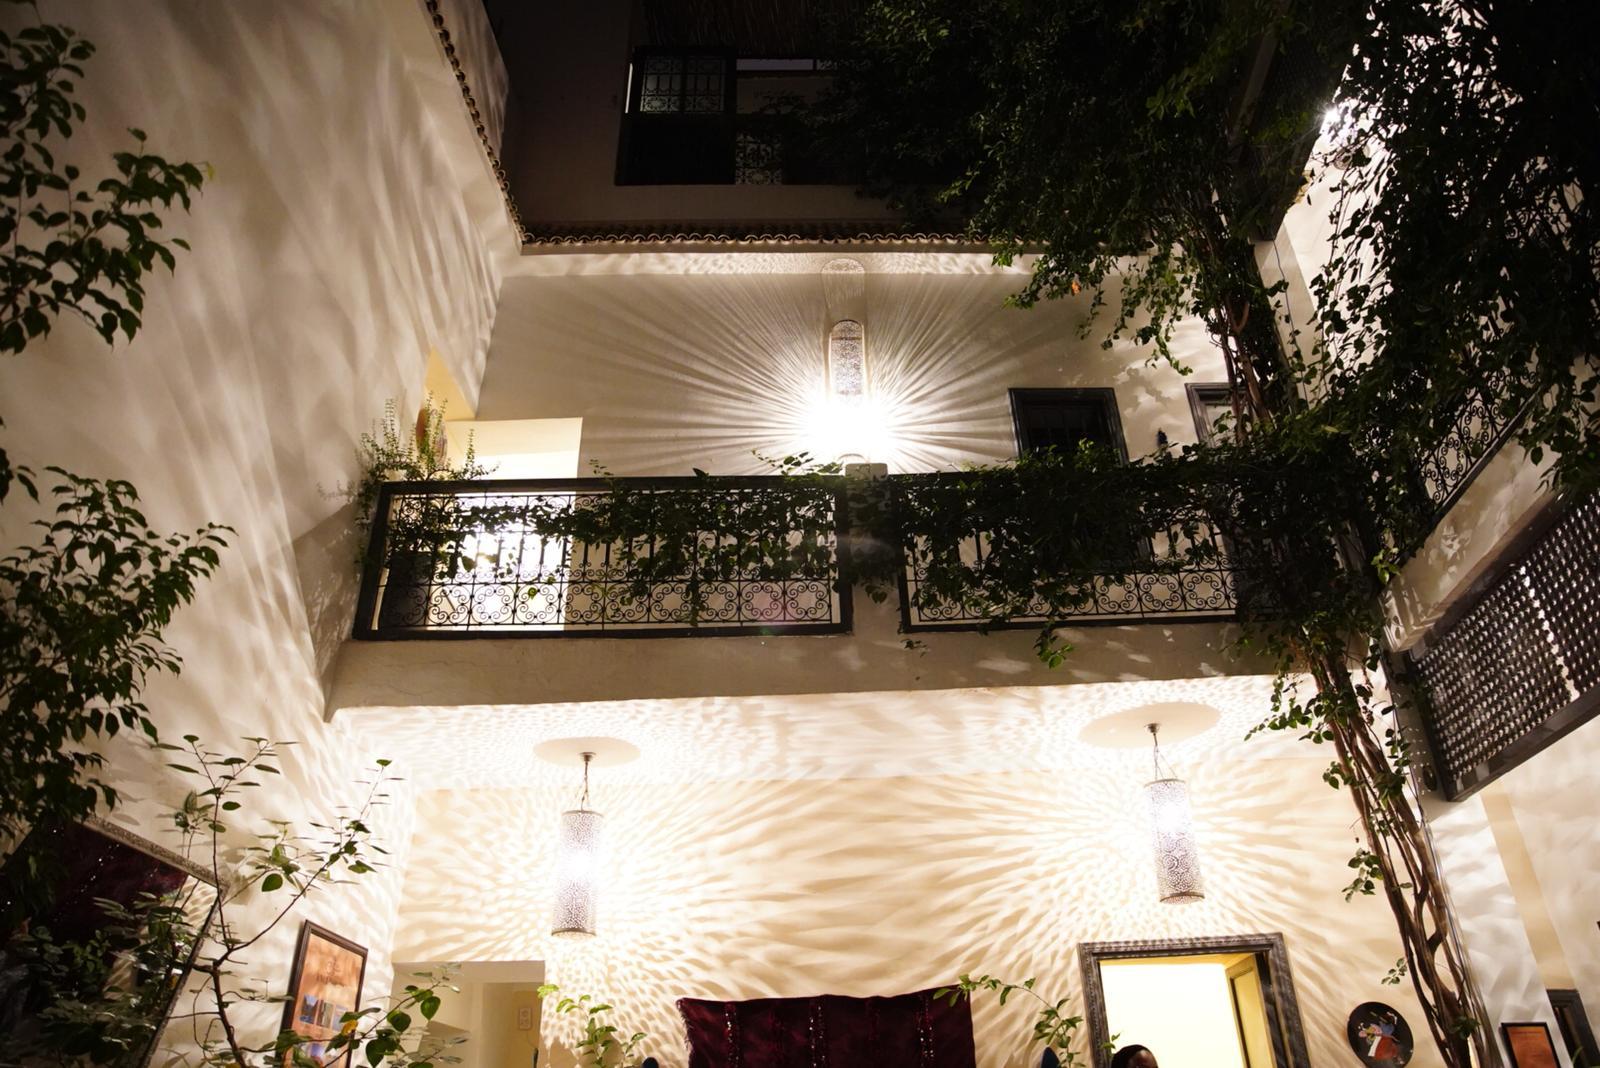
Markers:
point(1529, 1045)
point(324, 985)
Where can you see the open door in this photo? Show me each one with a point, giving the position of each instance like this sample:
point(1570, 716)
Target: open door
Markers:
point(1250, 1012)
point(1220, 1002)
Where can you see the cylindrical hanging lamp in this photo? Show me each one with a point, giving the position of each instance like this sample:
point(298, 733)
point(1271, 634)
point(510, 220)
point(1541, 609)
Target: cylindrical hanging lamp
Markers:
point(577, 866)
point(847, 361)
point(1172, 824)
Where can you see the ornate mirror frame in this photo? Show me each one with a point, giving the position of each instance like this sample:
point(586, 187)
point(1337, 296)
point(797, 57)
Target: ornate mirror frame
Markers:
point(1272, 962)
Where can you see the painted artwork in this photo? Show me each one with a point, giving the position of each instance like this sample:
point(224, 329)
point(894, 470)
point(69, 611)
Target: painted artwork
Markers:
point(1530, 1045)
point(1380, 1036)
point(325, 985)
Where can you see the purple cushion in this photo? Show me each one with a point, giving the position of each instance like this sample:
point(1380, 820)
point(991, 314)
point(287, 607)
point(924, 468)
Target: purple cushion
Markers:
point(909, 1030)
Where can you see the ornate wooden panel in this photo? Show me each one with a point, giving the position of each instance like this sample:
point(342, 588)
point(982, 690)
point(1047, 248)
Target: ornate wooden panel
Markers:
point(1520, 665)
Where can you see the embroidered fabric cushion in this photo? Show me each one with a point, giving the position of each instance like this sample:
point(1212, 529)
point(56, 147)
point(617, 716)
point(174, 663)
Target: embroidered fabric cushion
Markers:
point(909, 1030)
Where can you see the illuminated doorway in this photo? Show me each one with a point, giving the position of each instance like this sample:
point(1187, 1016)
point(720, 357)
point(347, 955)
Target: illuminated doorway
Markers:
point(1225, 1002)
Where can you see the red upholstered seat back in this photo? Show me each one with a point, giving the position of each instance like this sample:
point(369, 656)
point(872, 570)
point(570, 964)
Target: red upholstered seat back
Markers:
point(908, 1031)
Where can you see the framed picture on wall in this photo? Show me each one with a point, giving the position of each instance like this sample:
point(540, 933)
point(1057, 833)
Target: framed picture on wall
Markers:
point(324, 985)
point(1529, 1045)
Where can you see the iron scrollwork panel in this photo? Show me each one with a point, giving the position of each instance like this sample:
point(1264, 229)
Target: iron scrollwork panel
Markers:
point(481, 560)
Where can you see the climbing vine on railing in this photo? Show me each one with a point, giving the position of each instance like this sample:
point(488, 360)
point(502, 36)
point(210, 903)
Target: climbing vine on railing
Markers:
point(1041, 540)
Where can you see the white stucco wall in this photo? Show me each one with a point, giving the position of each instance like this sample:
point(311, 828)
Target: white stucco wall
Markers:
point(478, 53)
point(695, 361)
point(1553, 797)
point(882, 886)
point(334, 246)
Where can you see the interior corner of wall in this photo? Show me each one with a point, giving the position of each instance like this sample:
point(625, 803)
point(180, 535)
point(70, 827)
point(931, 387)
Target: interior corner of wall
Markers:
point(448, 386)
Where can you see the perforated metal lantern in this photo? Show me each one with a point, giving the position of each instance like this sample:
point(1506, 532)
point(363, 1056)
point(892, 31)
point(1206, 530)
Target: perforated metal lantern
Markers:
point(1177, 856)
point(577, 873)
point(1172, 828)
point(847, 360)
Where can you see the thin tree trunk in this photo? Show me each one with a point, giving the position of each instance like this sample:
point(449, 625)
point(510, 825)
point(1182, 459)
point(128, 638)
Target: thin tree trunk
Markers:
point(1264, 388)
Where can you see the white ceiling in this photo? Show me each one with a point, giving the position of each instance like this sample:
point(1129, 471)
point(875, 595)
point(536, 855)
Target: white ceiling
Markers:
point(830, 736)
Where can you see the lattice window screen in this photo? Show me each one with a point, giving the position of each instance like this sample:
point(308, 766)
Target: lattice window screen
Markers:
point(1527, 649)
point(682, 84)
point(1565, 569)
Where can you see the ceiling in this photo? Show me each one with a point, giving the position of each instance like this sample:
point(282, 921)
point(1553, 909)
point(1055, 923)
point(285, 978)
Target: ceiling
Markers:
point(834, 736)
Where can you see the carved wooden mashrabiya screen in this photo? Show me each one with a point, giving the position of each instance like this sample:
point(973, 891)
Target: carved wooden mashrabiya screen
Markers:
point(1522, 665)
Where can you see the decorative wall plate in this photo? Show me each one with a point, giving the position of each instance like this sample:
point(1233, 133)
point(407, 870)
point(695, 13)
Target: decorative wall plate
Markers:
point(1380, 1036)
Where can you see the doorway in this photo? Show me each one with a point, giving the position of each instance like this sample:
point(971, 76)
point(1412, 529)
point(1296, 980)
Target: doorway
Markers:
point(1224, 1002)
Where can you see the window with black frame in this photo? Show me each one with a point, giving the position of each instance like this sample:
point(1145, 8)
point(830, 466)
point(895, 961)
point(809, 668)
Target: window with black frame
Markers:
point(678, 125)
point(709, 116)
point(1062, 420)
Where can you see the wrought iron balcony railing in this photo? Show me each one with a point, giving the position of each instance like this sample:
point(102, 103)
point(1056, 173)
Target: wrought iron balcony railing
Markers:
point(524, 559)
point(1152, 566)
point(709, 556)
point(1479, 429)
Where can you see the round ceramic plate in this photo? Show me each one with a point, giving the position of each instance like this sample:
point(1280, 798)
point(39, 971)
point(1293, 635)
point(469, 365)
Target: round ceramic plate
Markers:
point(1380, 1036)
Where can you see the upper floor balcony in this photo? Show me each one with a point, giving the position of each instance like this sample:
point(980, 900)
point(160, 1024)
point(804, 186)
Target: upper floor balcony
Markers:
point(709, 556)
point(797, 574)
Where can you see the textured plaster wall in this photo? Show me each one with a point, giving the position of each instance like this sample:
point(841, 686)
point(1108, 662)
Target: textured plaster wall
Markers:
point(1491, 925)
point(696, 368)
point(332, 250)
point(880, 886)
point(1466, 544)
point(479, 55)
point(1553, 798)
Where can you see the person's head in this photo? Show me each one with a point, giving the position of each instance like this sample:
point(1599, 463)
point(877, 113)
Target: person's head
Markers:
point(1133, 1057)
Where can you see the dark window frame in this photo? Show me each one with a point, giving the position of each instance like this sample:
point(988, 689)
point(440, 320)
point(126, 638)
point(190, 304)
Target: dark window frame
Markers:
point(730, 94)
point(1103, 396)
point(1573, 1023)
point(647, 138)
point(1202, 395)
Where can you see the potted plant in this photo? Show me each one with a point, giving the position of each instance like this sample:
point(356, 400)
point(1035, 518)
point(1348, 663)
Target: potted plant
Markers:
point(411, 556)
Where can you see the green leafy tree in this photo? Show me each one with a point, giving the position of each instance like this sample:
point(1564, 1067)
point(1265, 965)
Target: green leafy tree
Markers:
point(1121, 142)
point(1052, 1029)
point(72, 245)
point(1466, 237)
point(82, 613)
point(69, 244)
point(105, 1002)
point(1139, 151)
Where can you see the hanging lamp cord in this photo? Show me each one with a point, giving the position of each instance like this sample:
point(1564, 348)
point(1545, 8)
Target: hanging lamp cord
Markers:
point(1155, 753)
point(583, 802)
